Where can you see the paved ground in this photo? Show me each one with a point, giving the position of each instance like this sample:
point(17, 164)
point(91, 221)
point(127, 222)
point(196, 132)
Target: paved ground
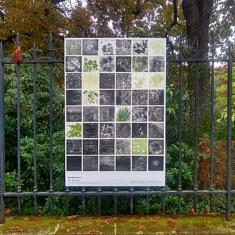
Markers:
point(157, 225)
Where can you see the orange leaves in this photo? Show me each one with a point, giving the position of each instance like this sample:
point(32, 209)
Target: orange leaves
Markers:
point(8, 211)
point(108, 221)
point(17, 229)
point(16, 57)
point(72, 217)
point(141, 228)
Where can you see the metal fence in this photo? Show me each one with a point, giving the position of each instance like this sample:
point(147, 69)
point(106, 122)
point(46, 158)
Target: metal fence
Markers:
point(180, 61)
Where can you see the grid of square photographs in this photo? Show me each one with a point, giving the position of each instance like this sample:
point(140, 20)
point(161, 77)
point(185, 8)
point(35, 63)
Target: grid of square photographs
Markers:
point(115, 105)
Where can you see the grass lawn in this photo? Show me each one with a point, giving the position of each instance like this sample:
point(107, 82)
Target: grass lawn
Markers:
point(155, 224)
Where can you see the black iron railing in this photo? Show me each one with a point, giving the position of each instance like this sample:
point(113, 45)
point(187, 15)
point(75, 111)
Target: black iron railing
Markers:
point(116, 192)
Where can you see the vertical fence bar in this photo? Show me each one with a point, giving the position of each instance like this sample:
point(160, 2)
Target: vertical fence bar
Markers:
point(180, 124)
point(2, 139)
point(115, 200)
point(35, 188)
point(18, 128)
point(83, 201)
point(196, 125)
point(131, 200)
point(212, 111)
point(67, 201)
point(229, 136)
point(147, 200)
point(51, 117)
point(99, 191)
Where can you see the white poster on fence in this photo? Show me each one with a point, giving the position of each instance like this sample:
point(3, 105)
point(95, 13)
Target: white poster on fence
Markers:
point(115, 101)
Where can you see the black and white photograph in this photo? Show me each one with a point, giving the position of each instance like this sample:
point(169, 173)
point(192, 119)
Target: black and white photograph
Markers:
point(73, 113)
point(139, 97)
point(139, 130)
point(140, 47)
point(123, 64)
point(156, 147)
point(156, 130)
point(156, 64)
point(73, 47)
point(106, 147)
point(156, 163)
point(139, 114)
point(107, 46)
point(90, 147)
point(73, 81)
point(123, 81)
point(106, 163)
point(90, 130)
point(73, 97)
point(74, 163)
point(123, 97)
point(106, 97)
point(156, 113)
point(123, 163)
point(90, 114)
point(107, 64)
point(73, 64)
point(90, 163)
point(90, 46)
point(156, 97)
point(73, 146)
point(123, 47)
point(123, 130)
point(107, 130)
point(139, 163)
point(140, 64)
point(123, 146)
point(107, 80)
point(107, 113)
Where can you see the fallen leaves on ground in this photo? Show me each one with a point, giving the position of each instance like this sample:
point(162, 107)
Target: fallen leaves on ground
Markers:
point(108, 221)
point(92, 232)
point(72, 217)
point(141, 228)
point(17, 229)
point(171, 223)
point(8, 211)
point(30, 218)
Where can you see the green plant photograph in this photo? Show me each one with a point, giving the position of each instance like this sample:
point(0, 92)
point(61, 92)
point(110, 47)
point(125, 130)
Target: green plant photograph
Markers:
point(139, 146)
point(74, 130)
point(90, 97)
point(156, 80)
point(139, 80)
point(157, 47)
point(90, 81)
point(90, 64)
point(123, 114)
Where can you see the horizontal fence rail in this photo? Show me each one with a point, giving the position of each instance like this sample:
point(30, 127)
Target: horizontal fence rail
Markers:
point(96, 196)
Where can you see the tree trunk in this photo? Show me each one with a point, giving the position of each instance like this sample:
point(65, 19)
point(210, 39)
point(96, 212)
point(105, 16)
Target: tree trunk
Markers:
point(197, 14)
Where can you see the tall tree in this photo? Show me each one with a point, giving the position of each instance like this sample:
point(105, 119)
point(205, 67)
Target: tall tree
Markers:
point(197, 14)
point(33, 20)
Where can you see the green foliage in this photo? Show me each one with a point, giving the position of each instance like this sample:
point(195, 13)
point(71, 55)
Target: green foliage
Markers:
point(221, 94)
point(123, 114)
point(172, 163)
point(90, 65)
point(27, 119)
point(90, 97)
point(75, 130)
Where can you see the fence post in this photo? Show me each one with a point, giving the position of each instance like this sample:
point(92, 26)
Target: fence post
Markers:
point(229, 135)
point(2, 140)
